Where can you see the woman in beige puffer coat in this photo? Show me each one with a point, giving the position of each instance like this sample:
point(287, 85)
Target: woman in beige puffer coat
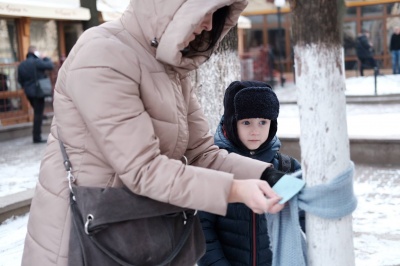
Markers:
point(127, 115)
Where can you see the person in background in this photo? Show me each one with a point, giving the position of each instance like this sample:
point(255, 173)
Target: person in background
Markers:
point(29, 71)
point(248, 127)
point(365, 52)
point(128, 116)
point(395, 49)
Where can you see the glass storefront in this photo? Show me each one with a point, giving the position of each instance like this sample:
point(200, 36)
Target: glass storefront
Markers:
point(72, 31)
point(378, 19)
point(8, 41)
point(375, 27)
point(45, 37)
point(8, 58)
point(372, 11)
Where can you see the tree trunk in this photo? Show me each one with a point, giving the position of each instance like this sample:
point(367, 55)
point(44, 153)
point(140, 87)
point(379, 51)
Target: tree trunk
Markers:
point(320, 79)
point(214, 76)
point(94, 14)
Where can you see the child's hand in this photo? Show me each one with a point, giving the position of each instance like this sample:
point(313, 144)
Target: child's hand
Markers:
point(256, 194)
point(272, 176)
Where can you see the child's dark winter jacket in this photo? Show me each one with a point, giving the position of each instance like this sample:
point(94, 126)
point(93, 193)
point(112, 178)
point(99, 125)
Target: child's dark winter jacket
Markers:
point(240, 237)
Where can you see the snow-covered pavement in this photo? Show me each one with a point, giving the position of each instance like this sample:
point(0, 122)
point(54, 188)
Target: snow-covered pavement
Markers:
point(376, 224)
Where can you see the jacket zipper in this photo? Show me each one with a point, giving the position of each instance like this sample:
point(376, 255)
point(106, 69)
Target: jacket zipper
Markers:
point(254, 240)
point(252, 153)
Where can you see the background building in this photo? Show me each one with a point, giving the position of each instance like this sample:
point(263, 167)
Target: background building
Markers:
point(266, 40)
point(51, 25)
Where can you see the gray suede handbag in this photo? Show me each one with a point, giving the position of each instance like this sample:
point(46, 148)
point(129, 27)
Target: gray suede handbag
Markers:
point(113, 226)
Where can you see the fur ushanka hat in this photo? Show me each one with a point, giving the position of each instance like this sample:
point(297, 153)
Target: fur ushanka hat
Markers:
point(249, 99)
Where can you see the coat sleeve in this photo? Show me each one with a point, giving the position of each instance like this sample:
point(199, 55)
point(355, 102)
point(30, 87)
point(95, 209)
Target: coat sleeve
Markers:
point(45, 64)
point(106, 93)
point(214, 254)
point(297, 165)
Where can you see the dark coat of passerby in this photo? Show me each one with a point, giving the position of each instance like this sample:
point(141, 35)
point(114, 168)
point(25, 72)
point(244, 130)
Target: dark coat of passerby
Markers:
point(29, 71)
point(365, 52)
point(128, 116)
point(395, 50)
point(248, 128)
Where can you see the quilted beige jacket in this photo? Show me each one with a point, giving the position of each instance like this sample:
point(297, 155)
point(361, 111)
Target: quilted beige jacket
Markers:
point(127, 115)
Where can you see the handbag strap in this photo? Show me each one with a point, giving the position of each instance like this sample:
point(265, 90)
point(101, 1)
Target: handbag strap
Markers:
point(188, 218)
point(66, 162)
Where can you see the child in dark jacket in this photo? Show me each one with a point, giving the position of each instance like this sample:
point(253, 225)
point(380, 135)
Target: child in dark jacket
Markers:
point(248, 127)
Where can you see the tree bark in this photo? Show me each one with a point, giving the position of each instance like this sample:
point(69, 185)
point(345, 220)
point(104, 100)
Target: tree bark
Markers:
point(94, 14)
point(214, 76)
point(320, 81)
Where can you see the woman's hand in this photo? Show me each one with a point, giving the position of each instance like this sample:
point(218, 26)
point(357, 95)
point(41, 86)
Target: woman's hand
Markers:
point(256, 194)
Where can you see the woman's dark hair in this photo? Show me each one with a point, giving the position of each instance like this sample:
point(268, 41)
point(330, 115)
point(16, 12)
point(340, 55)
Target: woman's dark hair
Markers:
point(208, 39)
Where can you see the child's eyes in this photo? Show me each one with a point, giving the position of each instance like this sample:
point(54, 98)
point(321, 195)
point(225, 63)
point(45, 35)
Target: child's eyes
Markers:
point(261, 123)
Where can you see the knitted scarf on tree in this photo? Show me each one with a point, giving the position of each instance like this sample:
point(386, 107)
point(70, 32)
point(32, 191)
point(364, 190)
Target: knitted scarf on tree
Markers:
point(329, 201)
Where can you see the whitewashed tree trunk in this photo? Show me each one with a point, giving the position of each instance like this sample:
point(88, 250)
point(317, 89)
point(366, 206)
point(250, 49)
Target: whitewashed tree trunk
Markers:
point(320, 79)
point(213, 77)
point(324, 147)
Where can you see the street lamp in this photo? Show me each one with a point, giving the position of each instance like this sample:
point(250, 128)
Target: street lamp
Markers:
point(279, 4)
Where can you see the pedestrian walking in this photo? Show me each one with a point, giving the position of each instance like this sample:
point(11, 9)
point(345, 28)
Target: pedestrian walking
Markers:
point(29, 71)
point(248, 127)
point(395, 49)
point(128, 117)
point(365, 52)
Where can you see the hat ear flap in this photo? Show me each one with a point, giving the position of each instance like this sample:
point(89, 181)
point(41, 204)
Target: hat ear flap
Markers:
point(231, 132)
point(272, 130)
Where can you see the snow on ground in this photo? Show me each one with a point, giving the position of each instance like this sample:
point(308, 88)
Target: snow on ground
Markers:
point(366, 85)
point(376, 223)
point(19, 164)
point(12, 235)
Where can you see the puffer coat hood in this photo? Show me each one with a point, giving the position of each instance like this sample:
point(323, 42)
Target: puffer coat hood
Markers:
point(127, 115)
point(148, 21)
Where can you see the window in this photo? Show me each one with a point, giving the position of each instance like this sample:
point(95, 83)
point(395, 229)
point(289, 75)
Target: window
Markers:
point(276, 41)
point(72, 31)
point(8, 56)
point(45, 37)
point(374, 10)
point(375, 27)
point(254, 39)
point(274, 19)
point(8, 42)
point(351, 12)
point(393, 9)
point(349, 38)
point(256, 20)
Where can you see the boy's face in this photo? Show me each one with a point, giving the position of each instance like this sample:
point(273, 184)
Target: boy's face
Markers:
point(253, 131)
